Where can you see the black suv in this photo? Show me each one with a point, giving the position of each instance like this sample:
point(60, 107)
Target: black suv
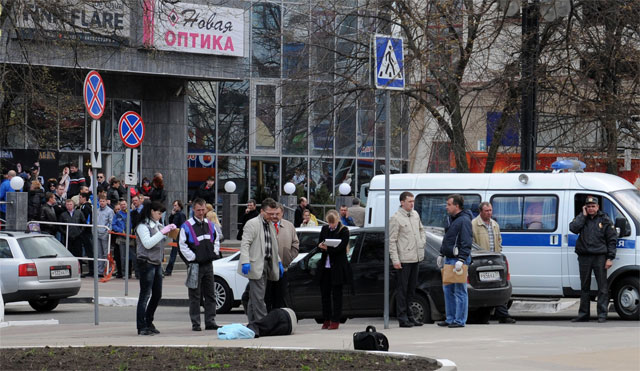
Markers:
point(488, 283)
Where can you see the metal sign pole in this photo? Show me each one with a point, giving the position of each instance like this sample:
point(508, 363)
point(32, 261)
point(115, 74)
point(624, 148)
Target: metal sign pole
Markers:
point(127, 230)
point(387, 140)
point(94, 214)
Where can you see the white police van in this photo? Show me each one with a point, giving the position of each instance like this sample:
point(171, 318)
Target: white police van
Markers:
point(534, 211)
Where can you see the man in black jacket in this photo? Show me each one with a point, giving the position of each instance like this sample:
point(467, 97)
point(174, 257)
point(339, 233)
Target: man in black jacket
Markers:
point(249, 213)
point(71, 215)
point(49, 214)
point(456, 251)
point(302, 205)
point(596, 249)
point(207, 191)
point(86, 235)
point(199, 244)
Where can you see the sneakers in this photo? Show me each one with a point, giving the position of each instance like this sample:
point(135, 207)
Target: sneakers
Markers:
point(334, 325)
point(443, 324)
point(506, 320)
point(325, 325)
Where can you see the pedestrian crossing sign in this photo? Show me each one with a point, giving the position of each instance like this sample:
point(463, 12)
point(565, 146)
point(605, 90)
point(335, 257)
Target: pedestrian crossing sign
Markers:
point(389, 73)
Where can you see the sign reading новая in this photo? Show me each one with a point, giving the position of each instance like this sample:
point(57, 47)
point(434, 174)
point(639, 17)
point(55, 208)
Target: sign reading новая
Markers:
point(193, 28)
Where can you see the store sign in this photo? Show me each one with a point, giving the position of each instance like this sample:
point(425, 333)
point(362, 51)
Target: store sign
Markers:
point(99, 22)
point(192, 28)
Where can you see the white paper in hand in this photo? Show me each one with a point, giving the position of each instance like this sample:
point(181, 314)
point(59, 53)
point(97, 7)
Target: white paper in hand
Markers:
point(333, 242)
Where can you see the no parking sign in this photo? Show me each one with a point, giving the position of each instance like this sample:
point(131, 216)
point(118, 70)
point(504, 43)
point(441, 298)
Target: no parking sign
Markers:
point(94, 94)
point(131, 129)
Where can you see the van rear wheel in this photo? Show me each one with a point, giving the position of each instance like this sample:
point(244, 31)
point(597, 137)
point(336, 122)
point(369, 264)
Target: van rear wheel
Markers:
point(626, 298)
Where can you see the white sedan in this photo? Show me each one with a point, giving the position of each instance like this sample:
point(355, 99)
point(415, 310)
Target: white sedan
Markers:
point(229, 285)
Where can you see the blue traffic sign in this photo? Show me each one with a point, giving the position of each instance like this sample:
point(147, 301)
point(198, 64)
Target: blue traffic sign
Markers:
point(131, 129)
point(94, 95)
point(389, 61)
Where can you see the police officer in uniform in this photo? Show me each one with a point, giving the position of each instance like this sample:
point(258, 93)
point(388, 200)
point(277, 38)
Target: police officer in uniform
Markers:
point(596, 249)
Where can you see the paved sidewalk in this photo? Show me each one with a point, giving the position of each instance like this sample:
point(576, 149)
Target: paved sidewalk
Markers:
point(174, 292)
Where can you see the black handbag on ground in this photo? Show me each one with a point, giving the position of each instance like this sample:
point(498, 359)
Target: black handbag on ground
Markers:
point(370, 339)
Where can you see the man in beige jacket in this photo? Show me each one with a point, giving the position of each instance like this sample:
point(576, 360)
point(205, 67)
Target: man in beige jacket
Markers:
point(288, 248)
point(406, 250)
point(481, 225)
point(259, 260)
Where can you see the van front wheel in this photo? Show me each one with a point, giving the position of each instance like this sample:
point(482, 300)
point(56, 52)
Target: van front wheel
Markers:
point(627, 298)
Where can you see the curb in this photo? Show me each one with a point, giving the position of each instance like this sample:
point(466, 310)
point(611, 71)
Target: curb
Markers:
point(30, 323)
point(124, 301)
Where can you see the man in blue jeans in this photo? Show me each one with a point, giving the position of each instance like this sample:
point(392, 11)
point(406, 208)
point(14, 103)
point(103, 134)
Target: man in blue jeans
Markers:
point(456, 251)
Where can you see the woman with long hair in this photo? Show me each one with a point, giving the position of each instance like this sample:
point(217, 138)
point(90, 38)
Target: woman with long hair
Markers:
point(150, 243)
point(333, 269)
point(157, 192)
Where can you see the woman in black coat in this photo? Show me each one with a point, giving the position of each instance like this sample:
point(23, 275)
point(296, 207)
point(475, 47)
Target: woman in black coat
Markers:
point(334, 269)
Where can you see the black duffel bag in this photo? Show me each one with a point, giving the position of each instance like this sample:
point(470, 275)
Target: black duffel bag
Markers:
point(370, 339)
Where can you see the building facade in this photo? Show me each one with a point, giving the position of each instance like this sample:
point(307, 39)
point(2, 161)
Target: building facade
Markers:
point(251, 92)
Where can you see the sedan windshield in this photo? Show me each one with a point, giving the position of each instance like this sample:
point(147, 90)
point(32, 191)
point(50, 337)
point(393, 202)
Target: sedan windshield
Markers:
point(41, 247)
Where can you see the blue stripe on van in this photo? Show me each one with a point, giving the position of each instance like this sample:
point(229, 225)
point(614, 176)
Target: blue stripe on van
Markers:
point(529, 239)
point(622, 243)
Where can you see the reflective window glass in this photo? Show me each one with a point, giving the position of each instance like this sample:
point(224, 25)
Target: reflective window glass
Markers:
point(432, 208)
point(42, 122)
point(294, 170)
point(295, 117)
point(516, 213)
point(201, 113)
point(265, 130)
point(72, 124)
point(295, 33)
point(265, 22)
point(265, 174)
point(233, 117)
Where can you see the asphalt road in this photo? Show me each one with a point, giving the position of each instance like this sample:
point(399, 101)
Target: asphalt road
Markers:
point(538, 341)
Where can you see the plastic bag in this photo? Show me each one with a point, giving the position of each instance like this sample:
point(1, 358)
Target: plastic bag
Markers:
point(192, 276)
point(235, 331)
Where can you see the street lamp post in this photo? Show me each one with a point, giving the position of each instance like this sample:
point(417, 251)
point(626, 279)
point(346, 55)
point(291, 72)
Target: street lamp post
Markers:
point(529, 84)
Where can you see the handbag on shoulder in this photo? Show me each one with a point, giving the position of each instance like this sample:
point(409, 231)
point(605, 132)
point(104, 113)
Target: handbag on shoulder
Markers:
point(370, 339)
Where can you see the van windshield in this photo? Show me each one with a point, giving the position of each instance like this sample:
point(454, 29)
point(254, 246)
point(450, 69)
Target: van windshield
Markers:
point(630, 199)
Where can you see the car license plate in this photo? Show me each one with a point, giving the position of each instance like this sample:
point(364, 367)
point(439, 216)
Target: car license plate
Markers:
point(489, 276)
point(60, 272)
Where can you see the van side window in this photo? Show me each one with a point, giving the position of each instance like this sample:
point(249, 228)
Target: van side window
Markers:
point(531, 213)
point(432, 208)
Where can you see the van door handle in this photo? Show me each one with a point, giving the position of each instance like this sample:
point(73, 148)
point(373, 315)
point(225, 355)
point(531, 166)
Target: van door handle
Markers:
point(553, 239)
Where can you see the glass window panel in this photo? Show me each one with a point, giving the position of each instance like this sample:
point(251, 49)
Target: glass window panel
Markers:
point(295, 118)
point(42, 122)
point(233, 168)
point(233, 117)
point(517, 213)
point(202, 116)
point(295, 34)
point(365, 173)
point(321, 183)
point(117, 166)
point(345, 170)
point(366, 125)
point(265, 174)
point(321, 128)
point(266, 40)
point(345, 131)
point(72, 124)
point(12, 122)
point(323, 41)
point(120, 106)
point(294, 170)
point(265, 135)
point(432, 208)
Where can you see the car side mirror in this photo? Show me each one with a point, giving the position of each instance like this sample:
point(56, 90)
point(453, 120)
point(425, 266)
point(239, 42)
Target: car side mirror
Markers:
point(622, 227)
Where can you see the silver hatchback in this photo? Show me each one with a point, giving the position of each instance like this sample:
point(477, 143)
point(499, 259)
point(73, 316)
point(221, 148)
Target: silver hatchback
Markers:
point(37, 268)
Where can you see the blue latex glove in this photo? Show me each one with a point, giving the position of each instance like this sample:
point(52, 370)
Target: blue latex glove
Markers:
point(246, 267)
point(281, 269)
